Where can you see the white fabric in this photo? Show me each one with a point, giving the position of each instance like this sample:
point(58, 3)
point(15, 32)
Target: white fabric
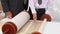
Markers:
point(34, 4)
point(2, 14)
point(54, 11)
point(31, 5)
point(52, 28)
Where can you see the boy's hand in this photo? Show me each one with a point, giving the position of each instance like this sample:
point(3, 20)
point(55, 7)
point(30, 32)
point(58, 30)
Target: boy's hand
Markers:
point(9, 14)
point(34, 16)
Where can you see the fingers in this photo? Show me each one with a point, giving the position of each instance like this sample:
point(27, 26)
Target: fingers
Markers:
point(9, 14)
point(34, 17)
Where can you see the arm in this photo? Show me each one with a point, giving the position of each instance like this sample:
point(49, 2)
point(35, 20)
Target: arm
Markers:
point(31, 5)
point(25, 4)
point(49, 4)
point(6, 8)
point(49, 7)
point(5, 5)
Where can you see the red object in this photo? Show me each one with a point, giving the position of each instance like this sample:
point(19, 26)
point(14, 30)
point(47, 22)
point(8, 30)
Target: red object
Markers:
point(35, 33)
point(46, 16)
point(12, 29)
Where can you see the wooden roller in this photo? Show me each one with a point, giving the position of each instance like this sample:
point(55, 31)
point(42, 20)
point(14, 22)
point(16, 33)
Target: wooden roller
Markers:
point(41, 29)
point(14, 25)
point(48, 17)
point(35, 33)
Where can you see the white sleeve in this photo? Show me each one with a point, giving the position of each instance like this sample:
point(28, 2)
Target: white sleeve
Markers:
point(49, 4)
point(49, 7)
point(31, 5)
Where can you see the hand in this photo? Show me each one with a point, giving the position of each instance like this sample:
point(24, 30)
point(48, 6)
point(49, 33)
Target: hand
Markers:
point(34, 16)
point(9, 14)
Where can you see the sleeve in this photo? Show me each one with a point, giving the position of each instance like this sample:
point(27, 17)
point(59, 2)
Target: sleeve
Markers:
point(31, 5)
point(49, 4)
point(49, 7)
point(5, 5)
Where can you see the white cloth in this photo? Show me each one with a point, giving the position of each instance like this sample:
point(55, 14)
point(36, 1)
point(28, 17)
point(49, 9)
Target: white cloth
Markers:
point(54, 11)
point(34, 4)
point(2, 14)
point(52, 28)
